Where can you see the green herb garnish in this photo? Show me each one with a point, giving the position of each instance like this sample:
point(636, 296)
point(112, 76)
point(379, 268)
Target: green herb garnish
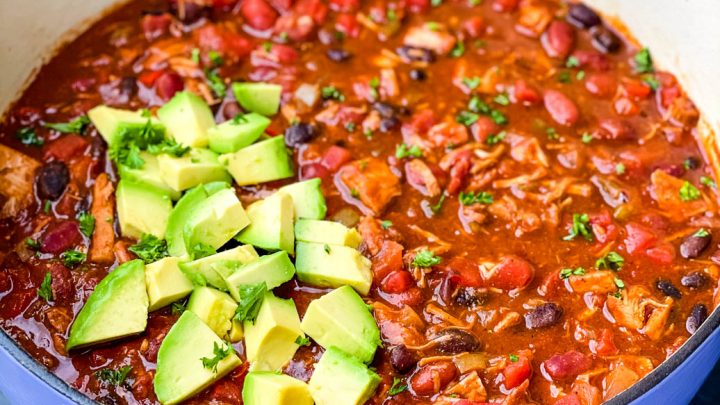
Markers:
point(150, 248)
point(72, 258)
point(87, 223)
point(76, 126)
point(426, 258)
point(45, 291)
point(220, 352)
point(251, 298)
point(580, 226)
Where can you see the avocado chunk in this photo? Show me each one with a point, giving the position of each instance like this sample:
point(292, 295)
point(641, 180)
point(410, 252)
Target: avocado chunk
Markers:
point(262, 98)
point(181, 371)
point(332, 233)
point(270, 342)
point(187, 117)
point(273, 270)
point(324, 265)
point(261, 162)
point(340, 318)
point(271, 224)
point(236, 333)
point(307, 198)
point(142, 209)
point(118, 307)
point(214, 307)
point(148, 174)
point(340, 379)
point(113, 123)
point(197, 167)
point(203, 272)
point(237, 133)
point(179, 215)
point(215, 221)
point(166, 283)
point(269, 388)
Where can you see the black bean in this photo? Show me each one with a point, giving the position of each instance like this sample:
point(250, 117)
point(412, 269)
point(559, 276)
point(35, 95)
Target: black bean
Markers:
point(338, 54)
point(470, 297)
point(605, 40)
point(694, 280)
point(299, 133)
point(454, 341)
point(418, 75)
point(693, 245)
point(128, 86)
point(582, 16)
point(402, 359)
point(52, 180)
point(698, 315)
point(388, 124)
point(386, 110)
point(413, 54)
point(668, 288)
point(692, 163)
point(545, 315)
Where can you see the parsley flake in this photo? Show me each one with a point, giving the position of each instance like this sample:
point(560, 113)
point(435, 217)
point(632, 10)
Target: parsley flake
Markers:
point(150, 248)
point(113, 377)
point(220, 352)
point(471, 198)
point(643, 61)
point(567, 272)
point(72, 258)
point(580, 227)
point(302, 341)
point(386, 224)
point(87, 223)
point(688, 192)
point(251, 298)
point(75, 126)
point(45, 290)
point(403, 151)
point(426, 258)
point(397, 387)
point(332, 93)
point(611, 261)
point(28, 136)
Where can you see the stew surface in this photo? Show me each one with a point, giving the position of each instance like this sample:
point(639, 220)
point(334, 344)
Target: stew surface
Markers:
point(538, 213)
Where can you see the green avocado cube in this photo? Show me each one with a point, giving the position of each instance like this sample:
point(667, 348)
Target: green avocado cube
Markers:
point(113, 123)
point(237, 133)
point(203, 270)
point(340, 379)
point(269, 388)
point(148, 174)
point(260, 162)
point(325, 265)
point(271, 341)
point(340, 318)
point(215, 221)
point(118, 307)
point(187, 117)
point(214, 307)
point(166, 283)
point(332, 233)
point(308, 198)
point(186, 360)
point(273, 270)
point(196, 167)
point(262, 98)
point(142, 209)
point(271, 224)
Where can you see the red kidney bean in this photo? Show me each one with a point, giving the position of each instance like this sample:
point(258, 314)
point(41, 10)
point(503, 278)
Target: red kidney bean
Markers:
point(455, 341)
point(613, 128)
point(60, 237)
point(558, 39)
point(542, 316)
point(698, 315)
point(300, 133)
point(600, 84)
point(258, 14)
point(524, 93)
point(566, 365)
point(561, 108)
point(167, 84)
point(695, 244)
point(423, 381)
point(582, 16)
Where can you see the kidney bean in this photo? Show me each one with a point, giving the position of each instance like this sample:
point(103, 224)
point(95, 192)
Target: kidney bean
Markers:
point(258, 14)
point(558, 39)
point(454, 341)
point(600, 84)
point(338, 54)
point(561, 108)
point(694, 280)
point(693, 245)
point(388, 124)
point(542, 316)
point(423, 381)
point(613, 128)
point(698, 315)
point(60, 237)
point(52, 180)
point(418, 75)
point(299, 133)
point(402, 359)
point(582, 16)
point(604, 40)
point(167, 84)
point(414, 54)
point(668, 288)
point(567, 365)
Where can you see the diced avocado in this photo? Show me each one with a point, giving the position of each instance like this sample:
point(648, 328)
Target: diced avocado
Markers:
point(271, 224)
point(214, 307)
point(180, 370)
point(236, 333)
point(261, 162)
point(179, 215)
point(111, 123)
point(203, 267)
point(166, 283)
point(332, 233)
point(197, 167)
point(269, 388)
point(262, 98)
point(148, 174)
point(308, 198)
point(237, 133)
point(187, 118)
point(270, 342)
point(273, 270)
point(340, 379)
point(324, 265)
point(118, 307)
point(340, 318)
point(215, 220)
point(142, 209)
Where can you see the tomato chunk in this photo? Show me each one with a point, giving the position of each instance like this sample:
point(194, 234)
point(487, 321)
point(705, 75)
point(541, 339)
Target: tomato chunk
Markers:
point(516, 372)
point(512, 272)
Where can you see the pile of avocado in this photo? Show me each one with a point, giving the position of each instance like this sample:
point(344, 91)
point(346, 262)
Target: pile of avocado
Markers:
point(230, 290)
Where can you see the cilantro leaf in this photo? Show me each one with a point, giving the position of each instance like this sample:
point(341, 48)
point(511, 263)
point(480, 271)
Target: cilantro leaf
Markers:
point(150, 248)
point(403, 151)
point(251, 297)
point(76, 126)
point(302, 341)
point(87, 223)
point(688, 192)
point(397, 387)
point(219, 352)
point(113, 377)
point(580, 227)
point(643, 61)
point(45, 290)
point(28, 136)
point(471, 198)
point(72, 258)
point(425, 258)
point(611, 261)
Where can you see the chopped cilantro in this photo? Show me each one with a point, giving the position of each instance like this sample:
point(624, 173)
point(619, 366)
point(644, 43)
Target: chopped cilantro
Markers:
point(178, 308)
point(513, 358)
point(402, 151)
point(572, 62)
point(76, 126)
point(580, 227)
point(580, 75)
point(219, 352)
point(435, 3)
point(126, 150)
point(438, 205)
point(477, 105)
point(643, 61)
point(113, 377)
point(567, 272)
point(28, 136)
point(651, 81)
point(216, 58)
point(397, 387)
point(425, 258)
point(688, 192)
point(458, 50)
point(251, 297)
point(47, 206)
point(195, 55)
point(386, 224)
point(502, 99)
point(432, 25)
point(332, 93)
point(216, 83)
point(150, 248)
point(620, 168)
point(619, 283)
point(168, 147)
point(702, 233)
point(72, 258)
point(467, 118)
point(586, 138)
point(498, 117)
point(471, 82)
point(551, 133)
point(495, 139)
point(707, 182)
point(302, 341)
point(45, 290)
point(87, 223)
point(350, 127)
point(32, 243)
point(326, 248)
point(563, 77)
point(201, 250)
point(611, 261)
point(471, 198)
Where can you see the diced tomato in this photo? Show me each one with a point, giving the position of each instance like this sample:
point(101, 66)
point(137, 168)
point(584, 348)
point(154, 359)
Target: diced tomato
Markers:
point(474, 26)
point(448, 134)
point(348, 25)
point(592, 59)
point(571, 399)
point(636, 89)
point(148, 78)
point(258, 14)
point(604, 345)
point(667, 95)
point(412, 297)
point(505, 6)
point(231, 45)
point(525, 94)
point(638, 238)
point(600, 84)
point(281, 5)
point(335, 157)
point(223, 4)
point(516, 372)
point(418, 6)
point(66, 147)
point(483, 128)
point(467, 271)
point(344, 6)
point(389, 259)
point(422, 121)
point(661, 254)
point(155, 25)
point(313, 170)
point(285, 54)
point(397, 282)
point(313, 8)
point(512, 272)
point(603, 228)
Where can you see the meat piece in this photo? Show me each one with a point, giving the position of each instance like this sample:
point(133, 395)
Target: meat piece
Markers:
point(601, 282)
point(676, 196)
point(636, 309)
point(371, 181)
point(399, 326)
point(52, 179)
point(448, 134)
point(103, 210)
point(438, 41)
point(63, 287)
point(470, 388)
point(60, 237)
point(542, 316)
point(422, 178)
point(17, 176)
point(533, 19)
